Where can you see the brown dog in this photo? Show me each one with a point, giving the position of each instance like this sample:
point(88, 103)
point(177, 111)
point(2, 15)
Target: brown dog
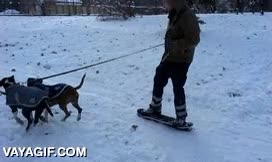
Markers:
point(60, 94)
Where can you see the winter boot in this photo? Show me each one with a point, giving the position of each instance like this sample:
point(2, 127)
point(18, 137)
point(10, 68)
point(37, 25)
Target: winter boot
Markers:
point(181, 113)
point(181, 123)
point(151, 111)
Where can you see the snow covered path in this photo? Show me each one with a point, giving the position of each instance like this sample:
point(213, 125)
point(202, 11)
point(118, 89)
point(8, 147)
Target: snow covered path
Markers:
point(229, 88)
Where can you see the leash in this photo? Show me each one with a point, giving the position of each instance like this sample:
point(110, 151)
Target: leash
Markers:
point(102, 62)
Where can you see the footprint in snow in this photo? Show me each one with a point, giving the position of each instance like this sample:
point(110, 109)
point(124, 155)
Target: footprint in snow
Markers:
point(134, 128)
point(234, 94)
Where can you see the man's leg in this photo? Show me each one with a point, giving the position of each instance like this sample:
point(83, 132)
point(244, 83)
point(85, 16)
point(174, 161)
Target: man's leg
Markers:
point(179, 77)
point(262, 9)
point(160, 81)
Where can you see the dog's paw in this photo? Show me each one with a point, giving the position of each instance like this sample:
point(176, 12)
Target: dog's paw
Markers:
point(66, 117)
point(78, 118)
point(27, 128)
point(19, 121)
point(35, 123)
point(43, 119)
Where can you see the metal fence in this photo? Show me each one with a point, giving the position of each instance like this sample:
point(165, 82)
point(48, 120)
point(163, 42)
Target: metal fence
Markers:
point(143, 7)
point(52, 7)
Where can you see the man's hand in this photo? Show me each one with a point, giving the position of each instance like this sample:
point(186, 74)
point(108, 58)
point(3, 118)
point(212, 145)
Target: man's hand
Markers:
point(176, 47)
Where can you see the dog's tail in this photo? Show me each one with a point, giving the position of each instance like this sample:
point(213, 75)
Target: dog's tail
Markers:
point(81, 83)
point(49, 110)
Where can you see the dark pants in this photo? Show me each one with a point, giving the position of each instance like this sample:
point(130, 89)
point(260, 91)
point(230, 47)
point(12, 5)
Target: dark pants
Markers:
point(262, 9)
point(253, 9)
point(240, 8)
point(177, 72)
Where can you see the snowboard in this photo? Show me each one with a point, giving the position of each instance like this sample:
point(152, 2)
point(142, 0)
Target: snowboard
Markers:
point(164, 120)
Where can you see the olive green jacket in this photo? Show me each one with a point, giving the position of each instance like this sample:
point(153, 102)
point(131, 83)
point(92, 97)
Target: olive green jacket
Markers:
point(182, 36)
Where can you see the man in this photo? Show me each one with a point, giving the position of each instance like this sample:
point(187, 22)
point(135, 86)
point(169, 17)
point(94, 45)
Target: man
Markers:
point(262, 7)
point(240, 6)
point(213, 6)
point(182, 36)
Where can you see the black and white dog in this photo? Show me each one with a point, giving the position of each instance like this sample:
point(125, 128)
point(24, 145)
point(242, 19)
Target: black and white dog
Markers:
point(26, 98)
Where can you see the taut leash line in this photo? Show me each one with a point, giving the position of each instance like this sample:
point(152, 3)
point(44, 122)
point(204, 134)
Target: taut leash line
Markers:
point(100, 63)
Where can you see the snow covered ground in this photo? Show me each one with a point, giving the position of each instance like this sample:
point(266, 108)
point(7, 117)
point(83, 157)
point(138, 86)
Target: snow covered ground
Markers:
point(229, 88)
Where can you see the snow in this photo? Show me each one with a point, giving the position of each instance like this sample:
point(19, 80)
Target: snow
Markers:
point(10, 12)
point(229, 88)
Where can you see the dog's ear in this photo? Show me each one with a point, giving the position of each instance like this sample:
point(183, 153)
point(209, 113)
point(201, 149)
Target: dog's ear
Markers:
point(30, 82)
point(1, 83)
point(12, 79)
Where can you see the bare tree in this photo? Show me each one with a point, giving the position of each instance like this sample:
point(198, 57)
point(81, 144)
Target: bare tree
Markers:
point(116, 9)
